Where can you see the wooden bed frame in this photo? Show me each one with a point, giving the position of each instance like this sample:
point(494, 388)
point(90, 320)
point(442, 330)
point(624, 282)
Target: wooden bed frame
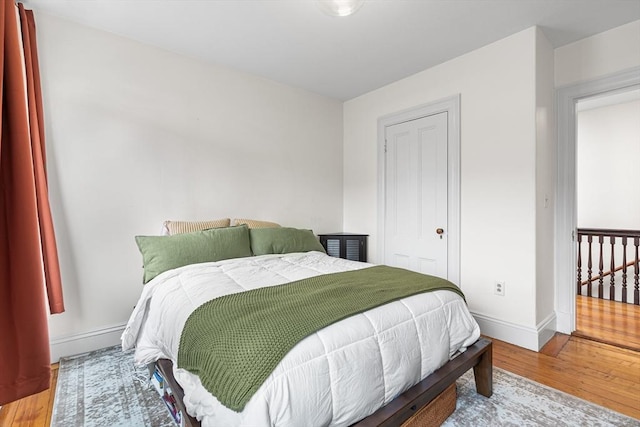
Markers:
point(478, 356)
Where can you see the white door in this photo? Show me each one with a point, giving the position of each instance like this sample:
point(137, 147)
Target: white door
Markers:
point(416, 195)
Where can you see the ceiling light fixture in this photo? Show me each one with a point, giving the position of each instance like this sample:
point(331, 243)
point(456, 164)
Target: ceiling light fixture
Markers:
point(339, 7)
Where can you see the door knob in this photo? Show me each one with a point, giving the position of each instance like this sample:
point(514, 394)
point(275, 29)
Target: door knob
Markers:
point(439, 230)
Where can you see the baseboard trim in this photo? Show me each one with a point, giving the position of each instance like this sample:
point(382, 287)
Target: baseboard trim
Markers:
point(70, 345)
point(522, 336)
point(546, 329)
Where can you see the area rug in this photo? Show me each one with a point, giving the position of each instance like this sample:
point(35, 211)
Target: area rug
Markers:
point(518, 401)
point(103, 388)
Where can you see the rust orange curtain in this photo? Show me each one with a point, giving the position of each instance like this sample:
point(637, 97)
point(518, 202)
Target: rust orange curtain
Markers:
point(29, 269)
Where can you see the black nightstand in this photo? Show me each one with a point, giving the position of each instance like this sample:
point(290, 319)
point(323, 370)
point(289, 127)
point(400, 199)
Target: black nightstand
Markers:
point(345, 245)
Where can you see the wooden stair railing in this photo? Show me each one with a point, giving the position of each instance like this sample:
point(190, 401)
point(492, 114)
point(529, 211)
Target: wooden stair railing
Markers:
point(608, 273)
point(626, 236)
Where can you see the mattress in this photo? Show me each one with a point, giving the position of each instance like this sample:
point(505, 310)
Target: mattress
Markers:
point(335, 376)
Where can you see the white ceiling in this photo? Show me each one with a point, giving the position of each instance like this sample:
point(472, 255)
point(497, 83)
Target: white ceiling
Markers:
point(293, 42)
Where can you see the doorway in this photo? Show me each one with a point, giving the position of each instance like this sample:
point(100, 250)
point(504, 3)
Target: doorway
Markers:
point(608, 217)
point(409, 142)
point(566, 209)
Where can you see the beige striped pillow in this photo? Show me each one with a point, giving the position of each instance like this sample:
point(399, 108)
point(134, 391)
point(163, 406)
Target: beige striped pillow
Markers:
point(254, 223)
point(179, 227)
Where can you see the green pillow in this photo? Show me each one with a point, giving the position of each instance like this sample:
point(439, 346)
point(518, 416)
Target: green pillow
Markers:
point(162, 253)
point(283, 240)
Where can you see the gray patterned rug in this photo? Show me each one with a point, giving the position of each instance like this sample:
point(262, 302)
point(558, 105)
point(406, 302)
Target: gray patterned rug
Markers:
point(103, 388)
point(519, 402)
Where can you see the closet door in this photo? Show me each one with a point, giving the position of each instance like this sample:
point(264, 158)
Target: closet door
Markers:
point(416, 195)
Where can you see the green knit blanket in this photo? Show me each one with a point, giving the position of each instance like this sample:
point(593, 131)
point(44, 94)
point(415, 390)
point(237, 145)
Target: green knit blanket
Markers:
point(234, 342)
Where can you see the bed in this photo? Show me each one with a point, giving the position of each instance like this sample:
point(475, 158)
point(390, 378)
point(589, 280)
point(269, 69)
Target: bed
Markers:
point(373, 368)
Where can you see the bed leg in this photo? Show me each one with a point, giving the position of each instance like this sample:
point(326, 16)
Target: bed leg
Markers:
point(483, 372)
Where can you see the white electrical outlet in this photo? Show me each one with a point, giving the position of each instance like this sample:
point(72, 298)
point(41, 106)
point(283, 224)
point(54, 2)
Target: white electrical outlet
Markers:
point(499, 288)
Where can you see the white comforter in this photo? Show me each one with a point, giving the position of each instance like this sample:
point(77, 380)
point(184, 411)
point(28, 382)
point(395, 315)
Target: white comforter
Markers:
point(336, 376)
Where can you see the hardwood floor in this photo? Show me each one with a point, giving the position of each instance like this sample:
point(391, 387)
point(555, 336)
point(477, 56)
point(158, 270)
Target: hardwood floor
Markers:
point(600, 362)
point(600, 373)
point(606, 375)
point(607, 321)
point(32, 411)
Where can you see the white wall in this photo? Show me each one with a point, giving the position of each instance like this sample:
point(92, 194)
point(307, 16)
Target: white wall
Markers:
point(608, 173)
point(137, 135)
point(498, 178)
point(546, 150)
point(599, 55)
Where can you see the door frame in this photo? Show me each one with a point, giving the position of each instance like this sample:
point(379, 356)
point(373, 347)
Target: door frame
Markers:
point(450, 105)
point(566, 211)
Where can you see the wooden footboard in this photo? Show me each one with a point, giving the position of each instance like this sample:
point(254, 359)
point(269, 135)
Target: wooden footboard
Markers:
point(403, 407)
point(478, 357)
